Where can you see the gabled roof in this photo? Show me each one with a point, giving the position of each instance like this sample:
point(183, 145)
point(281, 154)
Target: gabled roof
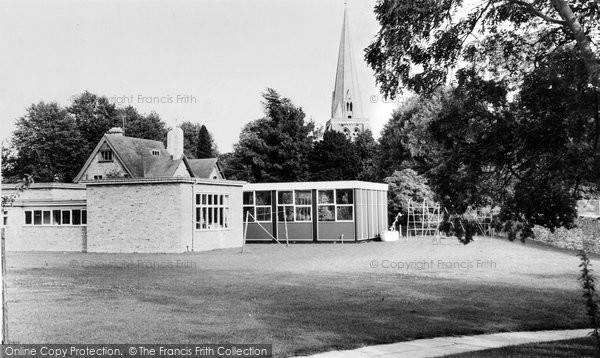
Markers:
point(135, 155)
point(202, 168)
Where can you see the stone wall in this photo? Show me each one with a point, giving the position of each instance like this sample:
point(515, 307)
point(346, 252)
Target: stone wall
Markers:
point(586, 234)
point(145, 217)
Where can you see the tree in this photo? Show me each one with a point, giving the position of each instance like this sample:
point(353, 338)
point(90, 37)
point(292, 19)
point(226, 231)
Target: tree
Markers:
point(531, 156)
point(406, 140)
point(149, 126)
point(190, 138)
point(197, 141)
point(520, 123)
point(276, 147)
point(404, 186)
point(421, 41)
point(52, 144)
point(47, 144)
point(94, 116)
point(334, 158)
point(205, 144)
point(366, 149)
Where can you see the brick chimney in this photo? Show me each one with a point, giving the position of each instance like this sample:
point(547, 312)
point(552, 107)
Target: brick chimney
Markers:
point(175, 143)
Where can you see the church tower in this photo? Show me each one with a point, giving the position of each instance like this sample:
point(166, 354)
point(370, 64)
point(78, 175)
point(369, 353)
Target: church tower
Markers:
point(346, 107)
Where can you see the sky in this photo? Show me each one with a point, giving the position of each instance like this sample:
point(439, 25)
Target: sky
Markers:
point(201, 61)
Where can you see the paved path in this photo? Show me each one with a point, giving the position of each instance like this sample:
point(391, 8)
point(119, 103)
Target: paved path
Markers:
point(437, 347)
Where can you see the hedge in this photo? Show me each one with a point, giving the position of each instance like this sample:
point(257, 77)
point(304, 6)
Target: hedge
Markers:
point(585, 234)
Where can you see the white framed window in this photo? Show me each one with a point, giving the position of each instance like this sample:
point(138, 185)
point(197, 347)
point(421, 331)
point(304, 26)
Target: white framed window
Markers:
point(56, 217)
point(258, 203)
point(326, 205)
point(344, 205)
point(303, 205)
point(155, 152)
point(262, 201)
point(296, 205)
point(335, 205)
point(285, 206)
point(248, 206)
point(4, 217)
point(97, 177)
point(212, 211)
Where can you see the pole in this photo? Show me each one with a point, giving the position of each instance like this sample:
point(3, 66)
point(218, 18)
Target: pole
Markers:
point(4, 304)
point(287, 244)
point(245, 232)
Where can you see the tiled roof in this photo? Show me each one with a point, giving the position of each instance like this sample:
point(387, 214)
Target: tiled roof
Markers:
point(136, 155)
point(202, 168)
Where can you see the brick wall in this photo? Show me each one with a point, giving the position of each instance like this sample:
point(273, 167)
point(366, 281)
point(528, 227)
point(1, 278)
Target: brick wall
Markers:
point(146, 217)
point(586, 234)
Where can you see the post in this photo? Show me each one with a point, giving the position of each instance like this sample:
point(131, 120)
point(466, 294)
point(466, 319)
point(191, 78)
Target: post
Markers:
point(4, 304)
point(245, 232)
point(287, 243)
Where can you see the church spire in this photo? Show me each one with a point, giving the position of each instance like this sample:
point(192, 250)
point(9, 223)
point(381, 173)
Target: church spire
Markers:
point(346, 106)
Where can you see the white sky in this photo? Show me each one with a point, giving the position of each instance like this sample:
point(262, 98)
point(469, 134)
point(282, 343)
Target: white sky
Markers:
point(222, 53)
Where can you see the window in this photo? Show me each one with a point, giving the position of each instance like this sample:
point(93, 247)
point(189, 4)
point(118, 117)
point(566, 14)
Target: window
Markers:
point(97, 177)
point(336, 205)
point(294, 205)
point(4, 217)
point(285, 208)
point(56, 217)
point(37, 217)
point(326, 205)
point(303, 205)
point(46, 216)
point(106, 156)
point(344, 200)
point(248, 203)
point(263, 206)
point(76, 217)
point(212, 211)
point(155, 152)
point(258, 204)
point(66, 217)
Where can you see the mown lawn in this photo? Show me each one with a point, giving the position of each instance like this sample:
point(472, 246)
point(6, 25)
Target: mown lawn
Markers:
point(304, 299)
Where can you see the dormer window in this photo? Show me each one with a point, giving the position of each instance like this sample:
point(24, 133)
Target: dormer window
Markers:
point(155, 152)
point(106, 156)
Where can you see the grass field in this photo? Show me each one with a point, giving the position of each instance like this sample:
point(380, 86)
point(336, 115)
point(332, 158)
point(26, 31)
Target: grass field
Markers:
point(304, 299)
